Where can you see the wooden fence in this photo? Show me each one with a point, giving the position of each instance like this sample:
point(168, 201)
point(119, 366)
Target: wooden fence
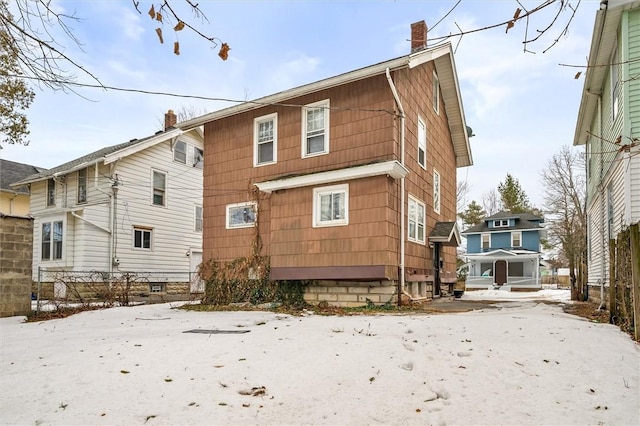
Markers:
point(624, 279)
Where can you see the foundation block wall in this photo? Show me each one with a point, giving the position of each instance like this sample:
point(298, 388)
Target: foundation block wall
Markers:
point(352, 294)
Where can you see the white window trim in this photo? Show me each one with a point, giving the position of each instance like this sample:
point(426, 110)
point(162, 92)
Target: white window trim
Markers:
point(513, 233)
point(51, 220)
point(324, 190)
point(256, 122)
point(502, 223)
point(422, 143)
point(481, 240)
point(418, 203)
point(166, 185)
point(142, 229)
point(242, 225)
point(195, 218)
point(436, 191)
point(324, 103)
point(186, 151)
point(436, 93)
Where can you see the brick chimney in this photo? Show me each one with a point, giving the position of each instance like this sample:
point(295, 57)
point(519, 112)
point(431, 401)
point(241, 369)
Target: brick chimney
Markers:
point(418, 36)
point(170, 119)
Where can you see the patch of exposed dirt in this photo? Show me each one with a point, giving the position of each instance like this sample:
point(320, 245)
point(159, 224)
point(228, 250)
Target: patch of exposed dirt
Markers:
point(588, 310)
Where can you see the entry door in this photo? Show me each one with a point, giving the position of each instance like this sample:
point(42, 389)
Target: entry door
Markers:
point(501, 272)
point(197, 285)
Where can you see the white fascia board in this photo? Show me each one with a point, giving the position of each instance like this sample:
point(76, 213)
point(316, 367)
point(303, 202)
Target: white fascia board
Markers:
point(391, 168)
point(115, 156)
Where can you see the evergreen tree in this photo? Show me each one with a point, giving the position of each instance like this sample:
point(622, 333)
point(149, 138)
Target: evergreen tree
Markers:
point(473, 214)
point(512, 196)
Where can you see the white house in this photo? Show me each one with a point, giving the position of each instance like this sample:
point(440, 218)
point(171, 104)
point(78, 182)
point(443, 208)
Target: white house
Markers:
point(132, 207)
point(608, 127)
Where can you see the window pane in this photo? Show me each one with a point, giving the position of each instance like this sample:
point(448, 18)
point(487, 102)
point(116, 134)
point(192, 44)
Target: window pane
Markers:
point(46, 241)
point(265, 131)
point(241, 215)
point(82, 186)
point(51, 192)
point(158, 180)
point(265, 152)
point(137, 238)
point(198, 218)
point(315, 144)
point(198, 158)
point(146, 239)
point(325, 207)
point(180, 152)
point(57, 240)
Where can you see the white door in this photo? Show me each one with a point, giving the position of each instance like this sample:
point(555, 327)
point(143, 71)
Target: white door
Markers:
point(197, 285)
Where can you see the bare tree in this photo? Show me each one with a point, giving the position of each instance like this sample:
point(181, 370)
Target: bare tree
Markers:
point(462, 190)
point(491, 201)
point(564, 184)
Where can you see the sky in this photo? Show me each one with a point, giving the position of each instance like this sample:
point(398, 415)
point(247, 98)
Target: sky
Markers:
point(521, 362)
point(521, 106)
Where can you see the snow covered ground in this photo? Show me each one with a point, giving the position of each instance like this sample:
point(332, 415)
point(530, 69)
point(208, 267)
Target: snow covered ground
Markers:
point(525, 363)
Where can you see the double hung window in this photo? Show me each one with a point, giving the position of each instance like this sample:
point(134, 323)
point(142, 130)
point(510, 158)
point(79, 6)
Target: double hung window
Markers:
point(265, 139)
point(416, 219)
point(315, 129)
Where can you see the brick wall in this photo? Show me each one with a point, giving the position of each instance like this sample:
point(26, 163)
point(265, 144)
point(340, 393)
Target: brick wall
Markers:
point(16, 255)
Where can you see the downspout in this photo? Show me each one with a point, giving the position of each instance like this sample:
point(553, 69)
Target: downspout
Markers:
point(401, 289)
point(111, 218)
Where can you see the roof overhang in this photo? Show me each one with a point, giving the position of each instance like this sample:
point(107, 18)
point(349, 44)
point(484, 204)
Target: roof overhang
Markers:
point(390, 168)
point(446, 233)
point(603, 41)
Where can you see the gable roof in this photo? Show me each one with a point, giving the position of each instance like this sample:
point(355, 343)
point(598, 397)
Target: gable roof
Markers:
point(441, 55)
point(107, 155)
point(603, 41)
point(446, 233)
point(11, 172)
point(523, 221)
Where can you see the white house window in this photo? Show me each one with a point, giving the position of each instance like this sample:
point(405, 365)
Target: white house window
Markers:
point(331, 205)
point(416, 219)
point(241, 215)
point(485, 241)
point(502, 223)
point(436, 191)
point(436, 93)
point(315, 129)
point(82, 186)
point(265, 147)
point(51, 192)
point(180, 152)
point(516, 239)
point(198, 158)
point(159, 188)
point(142, 238)
point(422, 143)
point(198, 218)
point(615, 84)
point(52, 238)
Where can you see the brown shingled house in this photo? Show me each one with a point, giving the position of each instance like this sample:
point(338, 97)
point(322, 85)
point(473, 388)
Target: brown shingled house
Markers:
point(348, 181)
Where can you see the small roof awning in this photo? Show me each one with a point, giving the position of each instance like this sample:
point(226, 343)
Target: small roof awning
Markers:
point(445, 233)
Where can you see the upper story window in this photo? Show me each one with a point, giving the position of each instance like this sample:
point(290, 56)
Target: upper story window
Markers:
point(265, 137)
point(436, 191)
point(436, 93)
point(241, 215)
point(485, 241)
point(198, 218)
point(422, 143)
point(159, 188)
point(416, 218)
point(315, 129)
point(615, 84)
point(180, 152)
point(52, 239)
point(51, 192)
point(516, 239)
point(502, 223)
point(142, 238)
point(82, 186)
point(331, 205)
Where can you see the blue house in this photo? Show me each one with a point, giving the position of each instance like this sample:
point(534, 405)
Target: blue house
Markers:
point(504, 252)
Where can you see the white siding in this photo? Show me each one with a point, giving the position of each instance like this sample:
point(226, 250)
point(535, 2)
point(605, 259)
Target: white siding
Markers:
point(634, 185)
point(87, 240)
